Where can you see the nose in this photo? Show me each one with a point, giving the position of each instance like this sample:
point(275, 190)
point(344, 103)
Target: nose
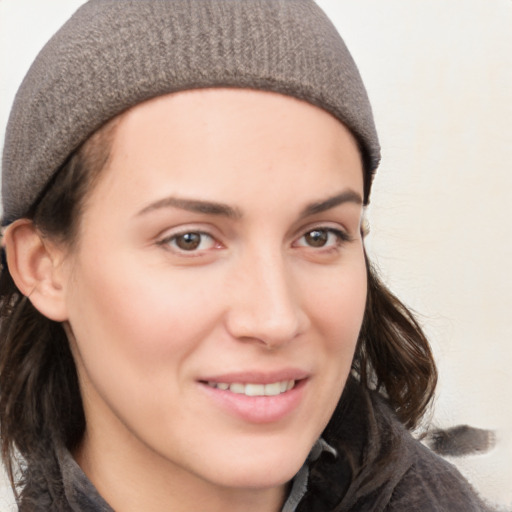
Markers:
point(266, 305)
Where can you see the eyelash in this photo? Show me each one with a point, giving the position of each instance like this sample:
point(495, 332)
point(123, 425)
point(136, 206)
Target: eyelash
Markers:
point(340, 237)
point(170, 241)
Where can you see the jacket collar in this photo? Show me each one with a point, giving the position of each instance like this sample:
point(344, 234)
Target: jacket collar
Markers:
point(374, 452)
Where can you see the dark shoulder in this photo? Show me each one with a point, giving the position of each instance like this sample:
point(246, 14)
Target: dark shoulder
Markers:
point(429, 483)
point(388, 469)
point(432, 484)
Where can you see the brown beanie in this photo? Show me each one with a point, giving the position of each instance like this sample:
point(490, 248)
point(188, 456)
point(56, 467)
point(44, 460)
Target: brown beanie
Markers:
point(114, 54)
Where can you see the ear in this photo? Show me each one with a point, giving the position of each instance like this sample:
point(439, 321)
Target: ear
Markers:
point(36, 266)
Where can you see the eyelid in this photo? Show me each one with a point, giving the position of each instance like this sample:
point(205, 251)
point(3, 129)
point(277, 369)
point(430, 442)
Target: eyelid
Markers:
point(332, 226)
point(188, 227)
point(165, 239)
point(342, 235)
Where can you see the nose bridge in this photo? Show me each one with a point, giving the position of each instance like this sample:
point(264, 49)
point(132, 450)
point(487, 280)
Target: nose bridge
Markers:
point(265, 304)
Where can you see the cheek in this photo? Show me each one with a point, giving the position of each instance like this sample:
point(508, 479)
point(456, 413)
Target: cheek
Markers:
point(339, 306)
point(133, 338)
point(135, 322)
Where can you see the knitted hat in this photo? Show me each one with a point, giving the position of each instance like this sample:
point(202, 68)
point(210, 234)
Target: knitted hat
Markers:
point(114, 54)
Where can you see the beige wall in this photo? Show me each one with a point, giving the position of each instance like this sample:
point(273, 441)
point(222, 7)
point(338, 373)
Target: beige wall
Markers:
point(439, 73)
point(440, 76)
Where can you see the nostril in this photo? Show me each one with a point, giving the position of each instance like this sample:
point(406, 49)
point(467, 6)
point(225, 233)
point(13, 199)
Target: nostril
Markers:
point(268, 329)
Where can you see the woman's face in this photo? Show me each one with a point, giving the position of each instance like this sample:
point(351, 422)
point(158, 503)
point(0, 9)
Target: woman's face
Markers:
point(218, 287)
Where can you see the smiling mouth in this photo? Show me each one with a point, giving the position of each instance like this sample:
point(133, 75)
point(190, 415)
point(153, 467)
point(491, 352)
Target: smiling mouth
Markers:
point(252, 389)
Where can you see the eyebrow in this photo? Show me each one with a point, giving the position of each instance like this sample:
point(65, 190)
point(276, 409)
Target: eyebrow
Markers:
point(194, 205)
point(224, 210)
point(347, 196)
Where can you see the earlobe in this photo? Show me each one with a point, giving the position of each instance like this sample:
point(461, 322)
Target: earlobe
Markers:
point(35, 265)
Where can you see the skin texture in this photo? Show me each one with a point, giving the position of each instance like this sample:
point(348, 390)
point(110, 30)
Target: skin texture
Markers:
point(260, 297)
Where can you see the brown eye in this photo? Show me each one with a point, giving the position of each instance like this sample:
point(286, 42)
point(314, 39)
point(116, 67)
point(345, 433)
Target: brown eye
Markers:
point(316, 238)
point(190, 241)
point(323, 238)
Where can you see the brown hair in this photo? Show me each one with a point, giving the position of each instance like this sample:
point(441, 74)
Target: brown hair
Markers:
point(40, 402)
point(393, 355)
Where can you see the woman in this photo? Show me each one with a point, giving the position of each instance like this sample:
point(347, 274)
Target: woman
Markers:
point(189, 320)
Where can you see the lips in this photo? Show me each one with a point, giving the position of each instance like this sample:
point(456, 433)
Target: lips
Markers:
point(257, 397)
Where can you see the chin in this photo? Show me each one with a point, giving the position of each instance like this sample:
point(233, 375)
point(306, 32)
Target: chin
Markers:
point(257, 478)
point(258, 469)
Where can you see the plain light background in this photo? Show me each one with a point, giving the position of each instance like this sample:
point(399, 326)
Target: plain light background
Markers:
point(439, 74)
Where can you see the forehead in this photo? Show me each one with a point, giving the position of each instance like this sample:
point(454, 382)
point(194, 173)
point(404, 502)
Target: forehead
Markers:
point(220, 141)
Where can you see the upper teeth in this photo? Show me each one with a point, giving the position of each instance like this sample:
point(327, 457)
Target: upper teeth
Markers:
point(273, 389)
